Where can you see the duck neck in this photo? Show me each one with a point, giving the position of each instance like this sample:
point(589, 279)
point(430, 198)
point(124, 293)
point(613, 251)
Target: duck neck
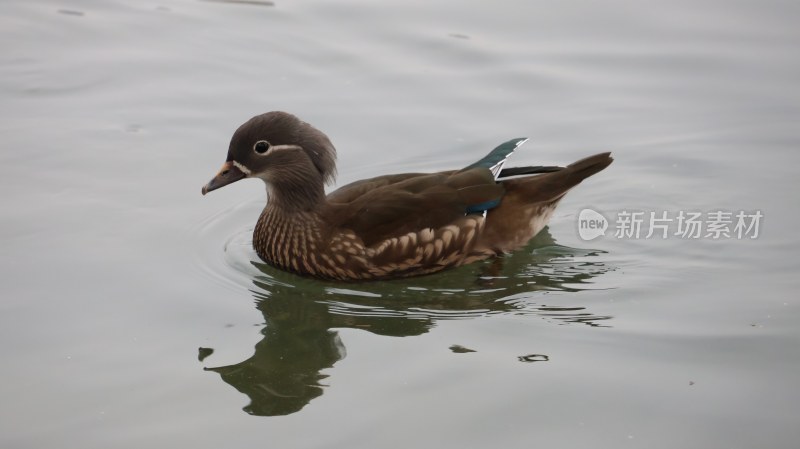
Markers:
point(289, 228)
point(296, 195)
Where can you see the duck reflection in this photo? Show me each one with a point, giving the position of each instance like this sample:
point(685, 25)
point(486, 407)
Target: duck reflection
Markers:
point(284, 374)
point(299, 337)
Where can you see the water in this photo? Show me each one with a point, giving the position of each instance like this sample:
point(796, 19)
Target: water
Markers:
point(115, 270)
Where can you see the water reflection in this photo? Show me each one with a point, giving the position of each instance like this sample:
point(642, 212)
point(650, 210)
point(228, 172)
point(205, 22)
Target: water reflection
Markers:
point(284, 374)
point(299, 337)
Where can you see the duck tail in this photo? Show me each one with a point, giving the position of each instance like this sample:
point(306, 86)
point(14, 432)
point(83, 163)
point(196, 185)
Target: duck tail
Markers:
point(574, 173)
point(588, 166)
point(551, 185)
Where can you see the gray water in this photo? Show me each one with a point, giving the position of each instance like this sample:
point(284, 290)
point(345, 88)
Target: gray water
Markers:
point(134, 312)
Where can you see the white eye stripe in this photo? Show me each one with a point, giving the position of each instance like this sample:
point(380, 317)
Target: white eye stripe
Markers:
point(272, 148)
point(283, 148)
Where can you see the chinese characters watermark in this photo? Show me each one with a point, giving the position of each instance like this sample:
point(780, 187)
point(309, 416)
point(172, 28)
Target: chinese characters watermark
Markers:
point(715, 225)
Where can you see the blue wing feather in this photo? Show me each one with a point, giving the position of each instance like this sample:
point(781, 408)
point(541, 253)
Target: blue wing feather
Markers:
point(496, 158)
point(493, 162)
point(483, 207)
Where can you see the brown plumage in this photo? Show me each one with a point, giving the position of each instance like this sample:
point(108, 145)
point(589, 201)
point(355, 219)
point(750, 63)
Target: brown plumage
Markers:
point(389, 226)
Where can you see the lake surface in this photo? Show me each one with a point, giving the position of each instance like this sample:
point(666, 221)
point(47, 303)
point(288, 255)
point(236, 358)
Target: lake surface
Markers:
point(134, 312)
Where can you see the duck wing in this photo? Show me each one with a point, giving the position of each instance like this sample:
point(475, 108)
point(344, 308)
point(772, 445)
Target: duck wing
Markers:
point(380, 208)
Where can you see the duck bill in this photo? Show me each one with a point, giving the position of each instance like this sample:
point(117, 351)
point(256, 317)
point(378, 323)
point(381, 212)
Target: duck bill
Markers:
point(228, 174)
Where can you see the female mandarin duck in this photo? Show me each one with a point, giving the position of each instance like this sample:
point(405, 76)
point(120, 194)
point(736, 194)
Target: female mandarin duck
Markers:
point(391, 226)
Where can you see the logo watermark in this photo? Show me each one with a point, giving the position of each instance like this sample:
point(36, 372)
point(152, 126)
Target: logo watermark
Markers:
point(591, 224)
point(715, 225)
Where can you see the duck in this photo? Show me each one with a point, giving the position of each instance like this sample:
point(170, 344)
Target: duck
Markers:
point(390, 226)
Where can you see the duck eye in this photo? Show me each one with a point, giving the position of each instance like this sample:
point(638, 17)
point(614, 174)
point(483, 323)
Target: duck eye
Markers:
point(261, 147)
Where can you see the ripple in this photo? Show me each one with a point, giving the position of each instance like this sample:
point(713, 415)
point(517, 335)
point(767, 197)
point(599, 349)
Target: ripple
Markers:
point(222, 247)
point(520, 283)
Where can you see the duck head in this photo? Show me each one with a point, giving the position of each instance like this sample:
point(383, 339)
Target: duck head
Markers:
point(291, 156)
